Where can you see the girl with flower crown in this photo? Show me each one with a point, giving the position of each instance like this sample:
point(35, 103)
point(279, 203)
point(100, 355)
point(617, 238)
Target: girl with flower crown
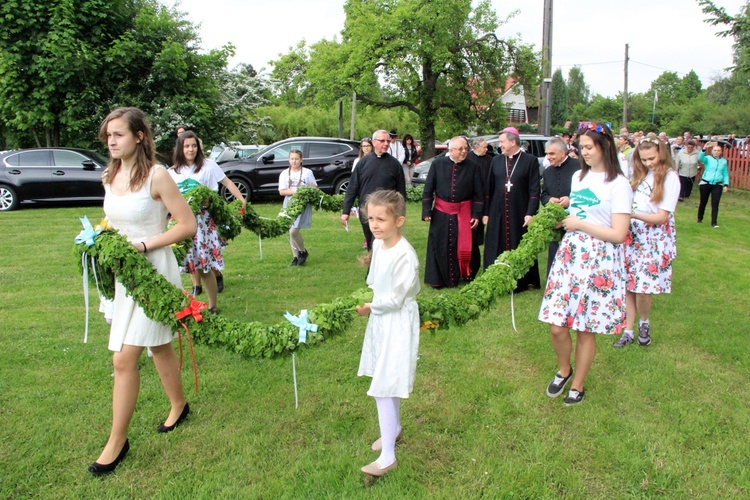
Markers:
point(650, 245)
point(586, 285)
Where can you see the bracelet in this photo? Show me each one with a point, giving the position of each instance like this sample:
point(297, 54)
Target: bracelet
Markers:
point(144, 247)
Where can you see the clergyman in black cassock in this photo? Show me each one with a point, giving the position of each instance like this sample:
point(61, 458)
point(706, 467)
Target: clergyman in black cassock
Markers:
point(453, 203)
point(512, 199)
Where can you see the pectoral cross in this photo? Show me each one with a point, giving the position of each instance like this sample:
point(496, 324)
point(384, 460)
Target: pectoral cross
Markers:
point(508, 185)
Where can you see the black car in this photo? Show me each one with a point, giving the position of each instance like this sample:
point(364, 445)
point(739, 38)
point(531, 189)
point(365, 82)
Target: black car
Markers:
point(329, 159)
point(50, 174)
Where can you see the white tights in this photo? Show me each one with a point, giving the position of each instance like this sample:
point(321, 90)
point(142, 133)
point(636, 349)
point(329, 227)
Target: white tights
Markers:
point(389, 418)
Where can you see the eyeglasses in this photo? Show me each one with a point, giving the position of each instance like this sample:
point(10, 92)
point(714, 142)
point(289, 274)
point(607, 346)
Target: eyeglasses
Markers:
point(366, 145)
point(381, 140)
point(365, 139)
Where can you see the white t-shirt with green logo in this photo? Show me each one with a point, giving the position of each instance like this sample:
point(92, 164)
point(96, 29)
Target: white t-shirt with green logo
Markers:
point(594, 200)
point(187, 178)
point(642, 198)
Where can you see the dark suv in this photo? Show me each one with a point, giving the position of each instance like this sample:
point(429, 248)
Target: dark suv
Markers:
point(329, 159)
point(50, 174)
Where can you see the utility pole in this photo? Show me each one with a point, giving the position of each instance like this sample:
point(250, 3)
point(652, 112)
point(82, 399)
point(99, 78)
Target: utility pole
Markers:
point(544, 119)
point(354, 116)
point(341, 118)
point(625, 91)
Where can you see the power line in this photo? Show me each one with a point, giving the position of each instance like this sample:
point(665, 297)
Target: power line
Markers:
point(591, 64)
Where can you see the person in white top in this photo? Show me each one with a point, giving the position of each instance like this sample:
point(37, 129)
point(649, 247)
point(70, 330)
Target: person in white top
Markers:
point(586, 286)
point(290, 180)
point(396, 148)
point(191, 168)
point(389, 350)
point(138, 195)
point(650, 245)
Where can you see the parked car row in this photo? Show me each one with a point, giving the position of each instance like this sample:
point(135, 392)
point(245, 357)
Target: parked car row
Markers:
point(54, 174)
point(50, 174)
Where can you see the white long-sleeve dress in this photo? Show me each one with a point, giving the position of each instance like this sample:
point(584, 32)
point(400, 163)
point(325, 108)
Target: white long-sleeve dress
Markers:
point(389, 351)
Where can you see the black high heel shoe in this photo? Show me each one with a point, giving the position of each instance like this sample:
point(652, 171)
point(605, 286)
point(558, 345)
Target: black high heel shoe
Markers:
point(98, 469)
point(168, 428)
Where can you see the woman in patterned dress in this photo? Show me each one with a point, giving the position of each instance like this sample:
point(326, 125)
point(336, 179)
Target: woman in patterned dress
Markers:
point(586, 286)
point(650, 245)
point(204, 259)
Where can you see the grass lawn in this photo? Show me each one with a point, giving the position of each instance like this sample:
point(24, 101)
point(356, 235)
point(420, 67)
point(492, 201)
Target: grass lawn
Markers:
point(671, 419)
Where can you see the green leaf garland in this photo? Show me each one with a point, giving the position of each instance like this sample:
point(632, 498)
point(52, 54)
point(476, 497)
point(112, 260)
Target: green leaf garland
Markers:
point(114, 256)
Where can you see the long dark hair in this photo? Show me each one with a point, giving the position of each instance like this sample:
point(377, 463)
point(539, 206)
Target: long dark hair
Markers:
point(178, 157)
point(361, 151)
point(144, 150)
point(603, 140)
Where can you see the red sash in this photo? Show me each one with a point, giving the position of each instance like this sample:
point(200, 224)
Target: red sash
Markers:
point(463, 211)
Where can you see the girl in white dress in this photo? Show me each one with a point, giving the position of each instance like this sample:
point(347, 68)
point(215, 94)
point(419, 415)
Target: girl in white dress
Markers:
point(586, 285)
point(289, 181)
point(205, 259)
point(389, 351)
point(650, 245)
point(138, 196)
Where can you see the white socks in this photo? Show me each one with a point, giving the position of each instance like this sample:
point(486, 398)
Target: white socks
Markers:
point(389, 419)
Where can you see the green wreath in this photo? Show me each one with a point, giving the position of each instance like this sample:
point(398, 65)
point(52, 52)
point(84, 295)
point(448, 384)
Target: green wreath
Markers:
point(112, 255)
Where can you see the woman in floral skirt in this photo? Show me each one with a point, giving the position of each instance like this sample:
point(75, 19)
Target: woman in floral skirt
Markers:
point(586, 286)
point(650, 246)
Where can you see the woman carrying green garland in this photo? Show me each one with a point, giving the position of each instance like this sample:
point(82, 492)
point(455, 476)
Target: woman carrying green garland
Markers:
point(138, 196)
point(204, 259)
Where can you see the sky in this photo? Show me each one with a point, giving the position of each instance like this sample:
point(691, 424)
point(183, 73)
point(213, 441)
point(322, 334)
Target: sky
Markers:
point(663, 35)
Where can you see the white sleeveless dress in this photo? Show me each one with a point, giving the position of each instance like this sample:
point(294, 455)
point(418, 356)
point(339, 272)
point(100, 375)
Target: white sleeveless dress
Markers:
point(139, 217)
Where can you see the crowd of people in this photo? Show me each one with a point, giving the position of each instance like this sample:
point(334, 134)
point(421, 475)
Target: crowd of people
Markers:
point(613, 251)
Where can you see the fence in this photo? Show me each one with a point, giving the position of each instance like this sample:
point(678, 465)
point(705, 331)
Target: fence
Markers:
point(739, 163)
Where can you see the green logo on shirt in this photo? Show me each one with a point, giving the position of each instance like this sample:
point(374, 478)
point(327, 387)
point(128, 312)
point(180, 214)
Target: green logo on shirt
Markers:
point(582, 199)
point(187, 185)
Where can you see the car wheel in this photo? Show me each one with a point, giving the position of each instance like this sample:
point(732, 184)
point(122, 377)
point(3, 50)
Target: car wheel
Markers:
point(341, 185)
point(244, 187)
point(8, 198)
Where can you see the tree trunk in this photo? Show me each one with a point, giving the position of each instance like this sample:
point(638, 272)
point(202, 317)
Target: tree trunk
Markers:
point(428, 112)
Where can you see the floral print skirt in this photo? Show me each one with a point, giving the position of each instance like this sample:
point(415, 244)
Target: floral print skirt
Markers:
point(586, 286)
point(649, 251)
point(206, 252)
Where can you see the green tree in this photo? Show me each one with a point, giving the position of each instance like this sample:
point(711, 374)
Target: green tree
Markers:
point(738, 27)
point(559, 104)
point(578, 91)
point(669, 87)
point(65, 63)
point(291, 85)
point(691, 85)
point(441, 59)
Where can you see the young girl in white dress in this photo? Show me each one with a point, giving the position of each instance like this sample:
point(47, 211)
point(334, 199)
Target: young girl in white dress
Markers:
point(290, 180)
point(138, 196)
point(586, 285)
point(205, 259)
point(650, 245)
point(389, 351)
